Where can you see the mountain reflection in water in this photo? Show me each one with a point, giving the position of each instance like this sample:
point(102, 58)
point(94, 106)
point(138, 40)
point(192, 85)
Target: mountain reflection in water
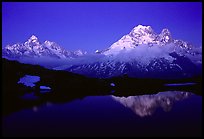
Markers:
point(145, 105)
point(105, 115)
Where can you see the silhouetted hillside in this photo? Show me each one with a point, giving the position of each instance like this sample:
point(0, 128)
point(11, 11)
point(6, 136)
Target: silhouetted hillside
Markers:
point(66, 86)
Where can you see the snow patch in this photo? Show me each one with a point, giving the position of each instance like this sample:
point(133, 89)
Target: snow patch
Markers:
point(45, 88)
point(29, 80)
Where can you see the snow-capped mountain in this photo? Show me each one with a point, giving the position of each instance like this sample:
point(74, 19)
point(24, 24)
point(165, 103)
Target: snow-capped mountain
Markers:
point(33, 48)
point(146, 105)
point(143, 53)
point(143, 35)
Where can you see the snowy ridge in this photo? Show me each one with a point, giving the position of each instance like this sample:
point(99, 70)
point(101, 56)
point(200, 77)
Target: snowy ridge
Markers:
point(140, 35)
point(143, 53)
point(33, 48)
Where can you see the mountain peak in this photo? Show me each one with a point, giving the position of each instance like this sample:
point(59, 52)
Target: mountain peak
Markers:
point(33, 37)
point(48, 43)
point(80, 52)
point(140, 35)
point(165, 36)
point(165, 31)
point(33, 48)
point(142, 28)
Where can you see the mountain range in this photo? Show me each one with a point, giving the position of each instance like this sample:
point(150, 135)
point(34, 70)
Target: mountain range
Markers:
point(33, 48)
point(141, 53)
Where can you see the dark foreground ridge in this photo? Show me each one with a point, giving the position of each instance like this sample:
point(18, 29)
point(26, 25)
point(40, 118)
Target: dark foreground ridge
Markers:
point(66, 86)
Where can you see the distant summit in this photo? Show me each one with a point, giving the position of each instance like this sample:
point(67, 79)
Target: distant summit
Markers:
point(142, 35)
point(33, 48)
point(143, 53)
point(33, 38)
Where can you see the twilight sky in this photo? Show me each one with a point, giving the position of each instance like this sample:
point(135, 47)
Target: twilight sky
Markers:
point(96, 25)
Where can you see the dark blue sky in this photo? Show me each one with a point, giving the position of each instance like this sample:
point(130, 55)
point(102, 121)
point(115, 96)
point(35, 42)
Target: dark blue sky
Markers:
point(96, 25)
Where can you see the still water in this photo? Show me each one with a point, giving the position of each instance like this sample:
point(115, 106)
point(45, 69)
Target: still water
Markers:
point(170, 113)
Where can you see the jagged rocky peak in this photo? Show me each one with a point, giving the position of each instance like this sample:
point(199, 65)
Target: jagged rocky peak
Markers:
point(141, 30)
point(33, 48)
point(33, 40)
point(165, 31)
point(79, 52)
point(165, 36)
point(48, 43)
point(140, 35)
point(33, 37)
point(141, 27)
